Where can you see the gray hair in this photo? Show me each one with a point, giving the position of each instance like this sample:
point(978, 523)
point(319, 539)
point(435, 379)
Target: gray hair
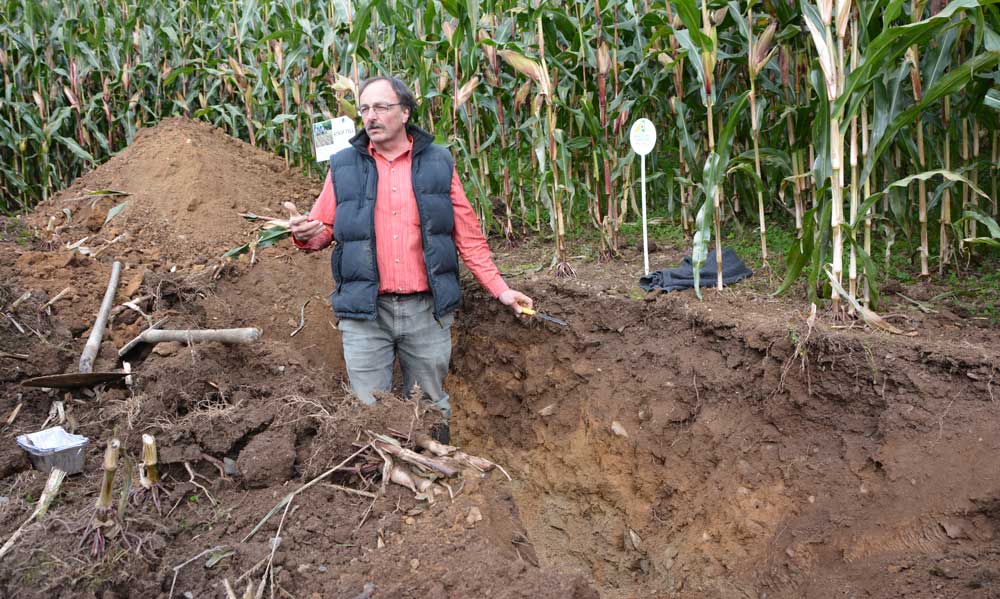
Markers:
point(406, 99)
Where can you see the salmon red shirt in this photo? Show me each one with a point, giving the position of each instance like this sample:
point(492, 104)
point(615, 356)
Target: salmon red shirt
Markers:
point(398, 243)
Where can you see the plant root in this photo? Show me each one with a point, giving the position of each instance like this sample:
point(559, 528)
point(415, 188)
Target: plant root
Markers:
point(155, 492)
point(564, 270)
point(105, 527)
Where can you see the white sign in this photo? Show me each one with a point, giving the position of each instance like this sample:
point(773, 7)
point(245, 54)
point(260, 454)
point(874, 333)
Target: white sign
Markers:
point(642, 136)
point(332, 136)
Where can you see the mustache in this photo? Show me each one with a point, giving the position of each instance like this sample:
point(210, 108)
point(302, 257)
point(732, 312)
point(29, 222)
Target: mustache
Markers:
point(373, 127)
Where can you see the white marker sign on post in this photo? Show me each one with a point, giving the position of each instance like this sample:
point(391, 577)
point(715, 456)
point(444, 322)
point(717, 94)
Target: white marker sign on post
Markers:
point(332, 136)
point(643, 138)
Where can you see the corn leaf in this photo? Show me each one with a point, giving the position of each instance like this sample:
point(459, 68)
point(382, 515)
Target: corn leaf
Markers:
point(924, 176)
point(824, 52)
point(939, 58)
point(236, 251)
point(733, 117)
point(691, 17)
point(686, 141)
point(989, 241)
point(870, 317)
point(976, 215)
point(890, 95)
point(888, 47)
point(949, 84)
point(800, 252)
point(115, 211)
point(694, 59)
point(869, 269)
point(892, 10)
point(703, 229)
point(75, 148)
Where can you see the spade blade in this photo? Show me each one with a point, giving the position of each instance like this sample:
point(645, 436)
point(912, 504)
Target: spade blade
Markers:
point(73, 380)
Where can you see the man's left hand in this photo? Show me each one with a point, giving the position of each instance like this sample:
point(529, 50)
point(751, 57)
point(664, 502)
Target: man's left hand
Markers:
point(516, 300)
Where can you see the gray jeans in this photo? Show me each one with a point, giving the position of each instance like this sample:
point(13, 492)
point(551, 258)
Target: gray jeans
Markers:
point(406, 328)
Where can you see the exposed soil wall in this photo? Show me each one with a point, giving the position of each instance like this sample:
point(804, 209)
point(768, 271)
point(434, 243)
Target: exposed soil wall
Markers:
point(708, 450)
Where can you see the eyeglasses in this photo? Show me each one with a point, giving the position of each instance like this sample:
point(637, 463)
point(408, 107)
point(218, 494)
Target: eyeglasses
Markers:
point(378, 109)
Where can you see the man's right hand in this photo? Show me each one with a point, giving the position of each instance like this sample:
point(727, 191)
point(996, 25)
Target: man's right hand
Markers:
point(303, 228)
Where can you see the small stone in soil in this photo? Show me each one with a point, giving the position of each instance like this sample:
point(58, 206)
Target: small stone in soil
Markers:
point(166, 349)
point(474, 516)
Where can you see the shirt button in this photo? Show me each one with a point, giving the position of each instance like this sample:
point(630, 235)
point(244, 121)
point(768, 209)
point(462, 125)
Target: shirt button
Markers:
point(397, 260)
point(394, 213)
point(394, 189)
point(395, 236)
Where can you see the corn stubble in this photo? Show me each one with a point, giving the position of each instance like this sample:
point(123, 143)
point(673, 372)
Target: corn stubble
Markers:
point(150, 488)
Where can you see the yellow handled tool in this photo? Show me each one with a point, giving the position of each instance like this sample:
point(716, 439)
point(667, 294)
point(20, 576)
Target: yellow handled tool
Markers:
point(543, 316)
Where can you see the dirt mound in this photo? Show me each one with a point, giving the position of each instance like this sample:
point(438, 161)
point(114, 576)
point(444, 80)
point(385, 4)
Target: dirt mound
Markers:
point(187, 182)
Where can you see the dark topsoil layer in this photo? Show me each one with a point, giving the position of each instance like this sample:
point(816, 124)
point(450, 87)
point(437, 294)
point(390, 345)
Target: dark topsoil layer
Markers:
point(659, 446)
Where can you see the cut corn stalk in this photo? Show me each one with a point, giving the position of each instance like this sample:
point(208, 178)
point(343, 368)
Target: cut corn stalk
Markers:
point(150, 486)
point(105, 522)
point(52, 485)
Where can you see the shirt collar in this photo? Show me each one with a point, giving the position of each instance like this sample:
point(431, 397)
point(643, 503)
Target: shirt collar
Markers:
point(408, 150)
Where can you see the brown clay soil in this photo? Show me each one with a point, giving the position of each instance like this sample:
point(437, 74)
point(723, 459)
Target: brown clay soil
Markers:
point(659, 446)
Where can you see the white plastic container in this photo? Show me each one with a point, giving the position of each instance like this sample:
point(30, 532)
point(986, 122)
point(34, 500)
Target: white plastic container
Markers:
point(54, 448)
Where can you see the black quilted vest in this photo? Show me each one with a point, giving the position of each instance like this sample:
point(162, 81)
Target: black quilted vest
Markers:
point(355, 269)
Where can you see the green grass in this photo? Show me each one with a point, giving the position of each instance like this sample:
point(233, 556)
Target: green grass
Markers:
point(14, 229)
point(977, 297)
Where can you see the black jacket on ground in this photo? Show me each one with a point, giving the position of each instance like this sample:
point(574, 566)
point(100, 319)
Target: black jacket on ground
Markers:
point(682, 277)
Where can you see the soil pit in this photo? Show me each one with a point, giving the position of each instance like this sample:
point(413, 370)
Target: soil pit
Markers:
point(672, 447)
point(659, 447)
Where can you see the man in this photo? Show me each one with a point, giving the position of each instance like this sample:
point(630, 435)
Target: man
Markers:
point(394, 204)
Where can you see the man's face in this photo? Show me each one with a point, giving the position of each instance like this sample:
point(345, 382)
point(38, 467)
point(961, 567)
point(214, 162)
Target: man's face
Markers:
point(389, 126)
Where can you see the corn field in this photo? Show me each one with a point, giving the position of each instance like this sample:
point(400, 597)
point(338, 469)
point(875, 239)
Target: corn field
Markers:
point(852, 123)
